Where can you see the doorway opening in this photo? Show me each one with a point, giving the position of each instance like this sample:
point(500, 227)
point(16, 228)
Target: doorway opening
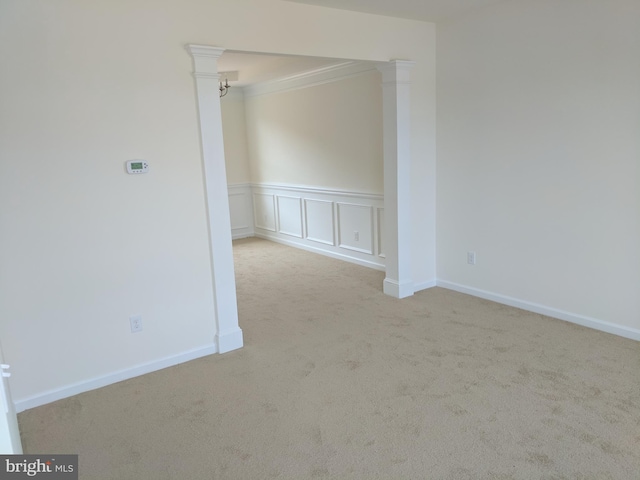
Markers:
point(287, 212)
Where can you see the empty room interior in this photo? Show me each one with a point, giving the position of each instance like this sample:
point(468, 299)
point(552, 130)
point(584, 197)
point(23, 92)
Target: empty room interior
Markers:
point(403, 242)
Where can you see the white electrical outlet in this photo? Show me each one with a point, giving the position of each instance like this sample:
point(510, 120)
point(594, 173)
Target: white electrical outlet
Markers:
point(356, 236)
point(471, 258)
point(136, 323)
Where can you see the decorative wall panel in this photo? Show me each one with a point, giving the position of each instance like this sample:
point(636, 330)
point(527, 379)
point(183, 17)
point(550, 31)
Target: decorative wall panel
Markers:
point(289, 216)
point(319, 221)
point(355, 227)
point(340, 224)
point(264, 211)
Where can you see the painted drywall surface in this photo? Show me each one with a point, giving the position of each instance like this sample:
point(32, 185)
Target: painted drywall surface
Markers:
point(235, 137)
point(85, 245)
point(327, 136)
point(89, 85)
point(538, 155)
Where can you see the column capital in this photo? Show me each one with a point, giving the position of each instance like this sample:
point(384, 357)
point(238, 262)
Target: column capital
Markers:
point(204, 50)
point(205, 59)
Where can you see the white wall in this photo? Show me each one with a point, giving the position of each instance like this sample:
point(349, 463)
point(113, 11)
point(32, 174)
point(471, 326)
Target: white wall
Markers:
point(235, 137)
point(85, 87)
point(538, 157)
point(327, 136)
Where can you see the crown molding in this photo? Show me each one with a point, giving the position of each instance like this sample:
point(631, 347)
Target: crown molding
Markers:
point(311, 78)
point(236, 93)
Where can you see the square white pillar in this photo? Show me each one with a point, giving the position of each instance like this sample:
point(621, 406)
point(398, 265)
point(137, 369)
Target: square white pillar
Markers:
point(396, 111)
point(228, 335)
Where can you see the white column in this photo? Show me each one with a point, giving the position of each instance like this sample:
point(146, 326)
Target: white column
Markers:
point(205, 60)
point(10, 443)
point(396, 111)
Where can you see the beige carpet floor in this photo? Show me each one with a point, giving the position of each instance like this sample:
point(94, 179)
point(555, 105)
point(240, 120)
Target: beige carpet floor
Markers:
point(337, 380)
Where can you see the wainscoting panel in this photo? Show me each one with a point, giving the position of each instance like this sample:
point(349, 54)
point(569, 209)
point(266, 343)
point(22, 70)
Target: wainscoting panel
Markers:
point(380, 232)
point(319, 221)
point(238, 211)
point(241, 211)
point(289, 216)
point(355, 227)
point(264, 211)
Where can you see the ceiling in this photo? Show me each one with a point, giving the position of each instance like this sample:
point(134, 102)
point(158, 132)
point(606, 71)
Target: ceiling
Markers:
point(425, 10)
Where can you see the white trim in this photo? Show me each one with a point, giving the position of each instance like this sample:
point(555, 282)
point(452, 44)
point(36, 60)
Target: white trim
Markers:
point(246, 229)
point(244, 195)
point(332, 243)
point(312, 78)
point(602, 325)
point(396, 120)
point(205, 69)
point(204, 50)
point(424, 285)
point(257, 224)
point(324, 191)
point(321, 251)
point(356, 249)
point(229, 340)
point(300, 217)
point(341, 244)
point(118, 376)
point(380, 232)
point(330, 197)
point(397, 289)
point(241, 235)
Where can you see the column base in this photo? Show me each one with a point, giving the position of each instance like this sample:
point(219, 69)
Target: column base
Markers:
point(397, 289)
point(230, 340)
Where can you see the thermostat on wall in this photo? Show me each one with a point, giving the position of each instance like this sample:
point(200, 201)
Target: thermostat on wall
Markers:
point(137, 166)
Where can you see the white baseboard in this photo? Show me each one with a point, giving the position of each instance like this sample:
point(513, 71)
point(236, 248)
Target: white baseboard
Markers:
point(98, 382)
point(424, 285)
point(326, 253)
point(239, 235)
point(596, 324)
